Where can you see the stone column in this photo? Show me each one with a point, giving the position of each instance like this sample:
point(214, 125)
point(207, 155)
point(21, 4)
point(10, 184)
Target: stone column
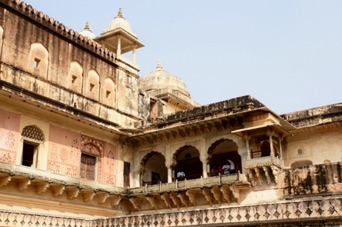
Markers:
point(134, 54)
point(248, 148)
point(169, 174)
point(204, 167)
point(280, 148)
point(203, 157)
point(271, 145)
point(118, 51)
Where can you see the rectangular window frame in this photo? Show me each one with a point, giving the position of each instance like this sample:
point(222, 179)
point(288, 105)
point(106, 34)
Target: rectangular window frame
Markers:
point(83, 174)
point(25, 152)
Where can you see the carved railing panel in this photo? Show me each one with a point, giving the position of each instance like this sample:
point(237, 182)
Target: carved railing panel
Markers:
point(187, 184)
point(316, 212)
point(315, 179)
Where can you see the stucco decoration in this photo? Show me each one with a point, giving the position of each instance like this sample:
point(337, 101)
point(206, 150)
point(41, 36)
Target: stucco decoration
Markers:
point(33, 132)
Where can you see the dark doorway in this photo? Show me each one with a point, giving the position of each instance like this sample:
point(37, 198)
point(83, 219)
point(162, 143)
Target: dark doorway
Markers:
point(29, 150)
point(127, 170)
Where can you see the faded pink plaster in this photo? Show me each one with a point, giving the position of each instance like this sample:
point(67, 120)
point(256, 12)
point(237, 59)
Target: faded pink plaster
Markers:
point(110, 167)
point(65, 148)
point(64, 152)
point(9, 135)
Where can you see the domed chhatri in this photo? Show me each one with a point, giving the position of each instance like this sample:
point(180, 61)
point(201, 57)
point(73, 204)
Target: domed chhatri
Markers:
point(119, 22)
point(119, 37)
point(164, 85)
point(86, 32)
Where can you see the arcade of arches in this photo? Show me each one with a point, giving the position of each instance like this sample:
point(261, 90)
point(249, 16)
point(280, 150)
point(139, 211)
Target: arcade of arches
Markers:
point(187, 159)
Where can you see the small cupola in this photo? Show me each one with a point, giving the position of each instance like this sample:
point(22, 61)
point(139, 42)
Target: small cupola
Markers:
point(119, 37)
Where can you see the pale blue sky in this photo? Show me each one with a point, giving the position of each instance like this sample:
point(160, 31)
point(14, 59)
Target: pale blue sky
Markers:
point(287, 54)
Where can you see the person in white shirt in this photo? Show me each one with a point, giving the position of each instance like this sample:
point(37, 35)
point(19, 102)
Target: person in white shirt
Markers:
point(180, 175)
point(228, 167)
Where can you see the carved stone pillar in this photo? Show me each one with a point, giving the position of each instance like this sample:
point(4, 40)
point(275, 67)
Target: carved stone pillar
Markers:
point(248, 148)
point(204, 169)
point(169, 174)
point(268, 177)
point(271, 144)
point(118, 51)
point(258, 175)
point(134, 53)
point(281, 156)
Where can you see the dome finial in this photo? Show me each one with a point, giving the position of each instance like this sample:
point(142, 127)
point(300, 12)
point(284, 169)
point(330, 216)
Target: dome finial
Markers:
point(86, 27)
point(159, 66)
point(120, 13)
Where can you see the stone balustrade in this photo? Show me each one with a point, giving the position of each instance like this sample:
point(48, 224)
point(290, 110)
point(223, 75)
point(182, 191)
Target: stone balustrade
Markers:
point(187, 184)
point(315, 179)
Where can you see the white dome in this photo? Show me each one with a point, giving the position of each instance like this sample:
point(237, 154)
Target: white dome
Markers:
point(160, 81)
point(119, 22)
point(87, 32)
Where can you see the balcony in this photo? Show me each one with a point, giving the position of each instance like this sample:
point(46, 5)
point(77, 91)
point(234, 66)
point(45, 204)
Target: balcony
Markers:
point(188, 184)
point(259, 161)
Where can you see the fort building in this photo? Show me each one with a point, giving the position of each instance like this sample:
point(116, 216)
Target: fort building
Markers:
point(86, 141)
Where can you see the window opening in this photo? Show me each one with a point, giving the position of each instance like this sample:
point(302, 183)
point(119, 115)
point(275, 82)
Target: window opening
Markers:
point(107, 94)
point(36, 63)
point(29, 154)
point(92, 87)
point(73, 78)
point(88, 164)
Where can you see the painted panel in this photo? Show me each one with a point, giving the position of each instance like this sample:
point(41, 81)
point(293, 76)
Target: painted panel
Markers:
point(9, 136)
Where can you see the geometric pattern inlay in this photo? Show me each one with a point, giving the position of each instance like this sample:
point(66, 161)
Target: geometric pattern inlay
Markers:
point(33, 132)
point(286, 212)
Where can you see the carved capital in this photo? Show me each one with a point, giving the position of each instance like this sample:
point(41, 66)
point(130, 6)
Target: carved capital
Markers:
point(23, 184)
point(5, 180)
point(72, 192)
point(102, 197)
point(184, 199)
point(88, 195)
point(115, 199)
point(208, 195)
point(167, 200)
point(153, 202)
point(57, 189)
point(217, 194)
point(176, 200)
point(225, 189)
point(41, 187)
point(135, 203)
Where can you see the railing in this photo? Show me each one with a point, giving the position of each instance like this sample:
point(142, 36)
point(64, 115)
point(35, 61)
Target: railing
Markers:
point(188, 184)
point(43, 175)
point(314, 179)
point(263, 161)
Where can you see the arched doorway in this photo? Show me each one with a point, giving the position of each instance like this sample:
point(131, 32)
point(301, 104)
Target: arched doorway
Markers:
point(153, 169)
point(224, 152)
point(187, 159)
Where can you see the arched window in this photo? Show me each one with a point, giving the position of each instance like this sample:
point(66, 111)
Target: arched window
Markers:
point(38, 60)
point(108, 92)
point(153, 169)
point(92, 85)
point(75, 77)
point(32, 138)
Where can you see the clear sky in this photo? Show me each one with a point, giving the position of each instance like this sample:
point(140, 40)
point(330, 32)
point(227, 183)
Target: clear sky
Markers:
point(287, 54)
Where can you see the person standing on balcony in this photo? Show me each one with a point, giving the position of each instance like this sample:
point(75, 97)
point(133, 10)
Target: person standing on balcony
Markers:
point(180, 175)
point(226, 168)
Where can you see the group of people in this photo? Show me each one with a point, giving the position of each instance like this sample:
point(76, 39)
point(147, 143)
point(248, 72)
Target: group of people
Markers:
point(227, 168)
